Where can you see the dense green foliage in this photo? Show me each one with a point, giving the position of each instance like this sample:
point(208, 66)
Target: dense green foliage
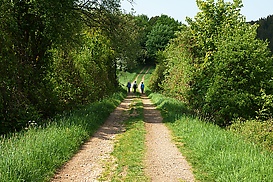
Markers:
point(29, 30)
point(218, 66)
point(162, 31)
point(265, 30)
point(215, 154)
point(36, 154)
point(84, 75)
point(58, 55)
point(154, 35)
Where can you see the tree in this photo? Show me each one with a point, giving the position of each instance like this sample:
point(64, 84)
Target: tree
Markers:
point(223, 69)
point(30, 29)
point(242, 72)
point(126, 42)
point(31, 34)
point(142, 21)
point(158, 38)
point(163, 30)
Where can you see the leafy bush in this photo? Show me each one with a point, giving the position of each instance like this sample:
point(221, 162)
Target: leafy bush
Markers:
point(157, 77)
point(85, 75)
point(255, 131)
point(217, 65)
point(241, 68)
point(178, 72)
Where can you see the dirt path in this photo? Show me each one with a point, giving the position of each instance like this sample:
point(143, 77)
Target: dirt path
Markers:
point(87, 164)
point(163, 160)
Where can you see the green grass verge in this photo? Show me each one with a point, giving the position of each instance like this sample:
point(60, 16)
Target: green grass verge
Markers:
point(215, 154)
point(35, 154)
point(125, 76)
point(129, 149)
point(148, 76)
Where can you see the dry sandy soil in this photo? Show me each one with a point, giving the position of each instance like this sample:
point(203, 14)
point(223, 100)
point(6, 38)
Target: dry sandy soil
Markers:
point(163, 161)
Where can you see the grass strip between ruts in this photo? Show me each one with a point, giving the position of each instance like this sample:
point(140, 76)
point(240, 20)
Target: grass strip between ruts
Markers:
point(129, 149)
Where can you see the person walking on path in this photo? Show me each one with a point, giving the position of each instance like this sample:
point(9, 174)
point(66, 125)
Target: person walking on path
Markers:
point(129, 86)
point(142, 87)
point(135, 86)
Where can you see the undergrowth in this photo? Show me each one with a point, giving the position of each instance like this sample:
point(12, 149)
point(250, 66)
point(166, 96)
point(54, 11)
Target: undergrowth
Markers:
point(259, 132)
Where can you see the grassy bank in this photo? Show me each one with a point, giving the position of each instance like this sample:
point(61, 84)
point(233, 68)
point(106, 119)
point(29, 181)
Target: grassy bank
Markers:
point(125, 76)
point(215, 154)
point(35, 154)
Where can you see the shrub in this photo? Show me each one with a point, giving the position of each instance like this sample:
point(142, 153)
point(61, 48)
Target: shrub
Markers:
point(241, 68)
point(217, 65)
point(255, 131)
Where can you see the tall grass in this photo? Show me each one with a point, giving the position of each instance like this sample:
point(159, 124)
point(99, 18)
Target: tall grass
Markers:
point(35, 154)
point(215, 154)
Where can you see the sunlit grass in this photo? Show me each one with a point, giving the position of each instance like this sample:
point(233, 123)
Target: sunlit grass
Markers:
point(35, 154)
point(129, 148)
point(216, 154)
point(124, 77)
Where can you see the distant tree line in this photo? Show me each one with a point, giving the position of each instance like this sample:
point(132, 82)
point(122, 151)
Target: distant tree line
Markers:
point(265, 30)
point(154, 35)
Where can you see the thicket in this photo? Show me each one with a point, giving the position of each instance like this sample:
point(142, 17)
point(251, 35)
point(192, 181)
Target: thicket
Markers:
point(57, 55)
point(218, 66)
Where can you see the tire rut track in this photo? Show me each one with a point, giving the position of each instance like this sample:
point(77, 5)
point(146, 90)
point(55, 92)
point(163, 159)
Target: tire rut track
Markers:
point(163, 161)
point(87, 165)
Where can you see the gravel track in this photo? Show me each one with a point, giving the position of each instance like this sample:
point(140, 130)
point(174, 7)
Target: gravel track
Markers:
point(163, 161)
point(87, 165)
